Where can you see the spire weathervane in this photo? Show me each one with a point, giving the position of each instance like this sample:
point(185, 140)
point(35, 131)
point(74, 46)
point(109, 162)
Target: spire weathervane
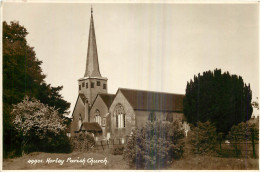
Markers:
point(91, 10)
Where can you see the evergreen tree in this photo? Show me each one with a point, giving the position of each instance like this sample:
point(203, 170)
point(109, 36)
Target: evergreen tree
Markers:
point(223, 99)
point(203, 138)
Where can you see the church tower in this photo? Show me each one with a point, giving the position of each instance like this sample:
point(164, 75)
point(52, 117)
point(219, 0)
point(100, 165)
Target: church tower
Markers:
point(92, 83)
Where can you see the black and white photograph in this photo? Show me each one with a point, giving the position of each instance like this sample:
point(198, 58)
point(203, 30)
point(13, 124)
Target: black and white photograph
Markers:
point(152, 85)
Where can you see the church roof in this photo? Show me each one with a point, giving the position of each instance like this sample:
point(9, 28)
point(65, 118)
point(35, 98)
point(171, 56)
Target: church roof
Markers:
point(83, 97)
point(92, 66)
point(153, 101)
point(107, 98)
point(90, 127)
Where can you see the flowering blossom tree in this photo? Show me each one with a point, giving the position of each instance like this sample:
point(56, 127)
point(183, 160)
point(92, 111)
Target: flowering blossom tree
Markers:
point(34, 119)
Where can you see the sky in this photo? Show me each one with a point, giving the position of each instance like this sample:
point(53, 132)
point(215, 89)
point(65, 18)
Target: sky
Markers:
point(156, 47)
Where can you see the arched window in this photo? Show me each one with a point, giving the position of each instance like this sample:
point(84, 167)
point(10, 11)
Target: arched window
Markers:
point(97, 117)
point(80, 120)
point(152, 117)
point(119, 112)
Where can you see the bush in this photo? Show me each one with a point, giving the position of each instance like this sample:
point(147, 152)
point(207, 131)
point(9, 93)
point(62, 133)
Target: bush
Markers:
point(53, 144)
point(83, 142)
point(39, 127)
point(154, 146)
point(203, 138)
point(58, 144)
point(243, 132)
point(118, 150)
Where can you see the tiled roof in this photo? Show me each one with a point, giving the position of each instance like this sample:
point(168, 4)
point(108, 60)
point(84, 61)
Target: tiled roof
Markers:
point(153, 101)
point(90, 127)
point(83, 98)
point(107, 98)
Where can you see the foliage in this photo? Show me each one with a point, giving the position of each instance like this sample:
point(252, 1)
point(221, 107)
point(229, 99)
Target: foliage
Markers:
point(223, 99)
point(243, 132)
point(22, 75)
point(118, 150)
point(37, 124)
point(51, 96)
point(203, 138)
point(83, 142)
point(155, 146)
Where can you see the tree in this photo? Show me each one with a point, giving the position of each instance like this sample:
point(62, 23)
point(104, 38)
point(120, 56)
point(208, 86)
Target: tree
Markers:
point(51, 96)
point(155, 146)
point(223, 99)
point(203, 138)
point(36, 123)
point(243, 132)
point(22, 75)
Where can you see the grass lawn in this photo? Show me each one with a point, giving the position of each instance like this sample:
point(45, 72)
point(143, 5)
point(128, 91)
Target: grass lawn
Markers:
point(116, 162)
point(215, 163)
point(21, 163)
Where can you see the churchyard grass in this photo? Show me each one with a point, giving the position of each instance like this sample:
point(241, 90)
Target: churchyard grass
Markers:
point(201, 162)
point(21, 163)
point(191, 162)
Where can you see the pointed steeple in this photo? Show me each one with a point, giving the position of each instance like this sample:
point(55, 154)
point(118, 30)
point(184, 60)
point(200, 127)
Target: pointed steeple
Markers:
point(92, 66)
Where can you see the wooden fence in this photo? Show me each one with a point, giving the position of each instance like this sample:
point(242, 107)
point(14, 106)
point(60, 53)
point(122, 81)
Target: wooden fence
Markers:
point(239, 149)
point(105, 144)
point(224, 149)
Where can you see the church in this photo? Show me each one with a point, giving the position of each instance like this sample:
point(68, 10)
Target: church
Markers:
point(116, 115)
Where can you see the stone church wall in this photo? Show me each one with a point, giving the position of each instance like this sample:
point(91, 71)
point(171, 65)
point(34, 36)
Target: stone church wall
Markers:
point(143, 116)
point(130, 117)
point(101, 106)
point(79, 109)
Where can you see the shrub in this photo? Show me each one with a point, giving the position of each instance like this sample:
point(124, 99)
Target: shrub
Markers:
point(58, 144)
point(83, 142)
point(243, 132)
point(154, 146)
point(203, 138)
point(118, 150)
point(40, 127)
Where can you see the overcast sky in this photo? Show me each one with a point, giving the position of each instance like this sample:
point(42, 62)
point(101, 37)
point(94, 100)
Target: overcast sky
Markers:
point(157, 47)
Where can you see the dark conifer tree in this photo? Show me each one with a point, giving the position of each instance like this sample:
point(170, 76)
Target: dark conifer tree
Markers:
point(221, 98)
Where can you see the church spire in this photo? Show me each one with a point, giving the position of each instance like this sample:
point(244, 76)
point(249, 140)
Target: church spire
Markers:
point(92, 66)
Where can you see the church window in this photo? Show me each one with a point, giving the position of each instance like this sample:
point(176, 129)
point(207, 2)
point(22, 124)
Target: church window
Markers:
point(83, 84)
point(152, 117)
point(98, 83)
point(92, 84)
point(104, 122)
point(97, 117)
point(79, 87)
point(104, 86)
point(80, 121)
point(120, 116)
point(86, 85)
